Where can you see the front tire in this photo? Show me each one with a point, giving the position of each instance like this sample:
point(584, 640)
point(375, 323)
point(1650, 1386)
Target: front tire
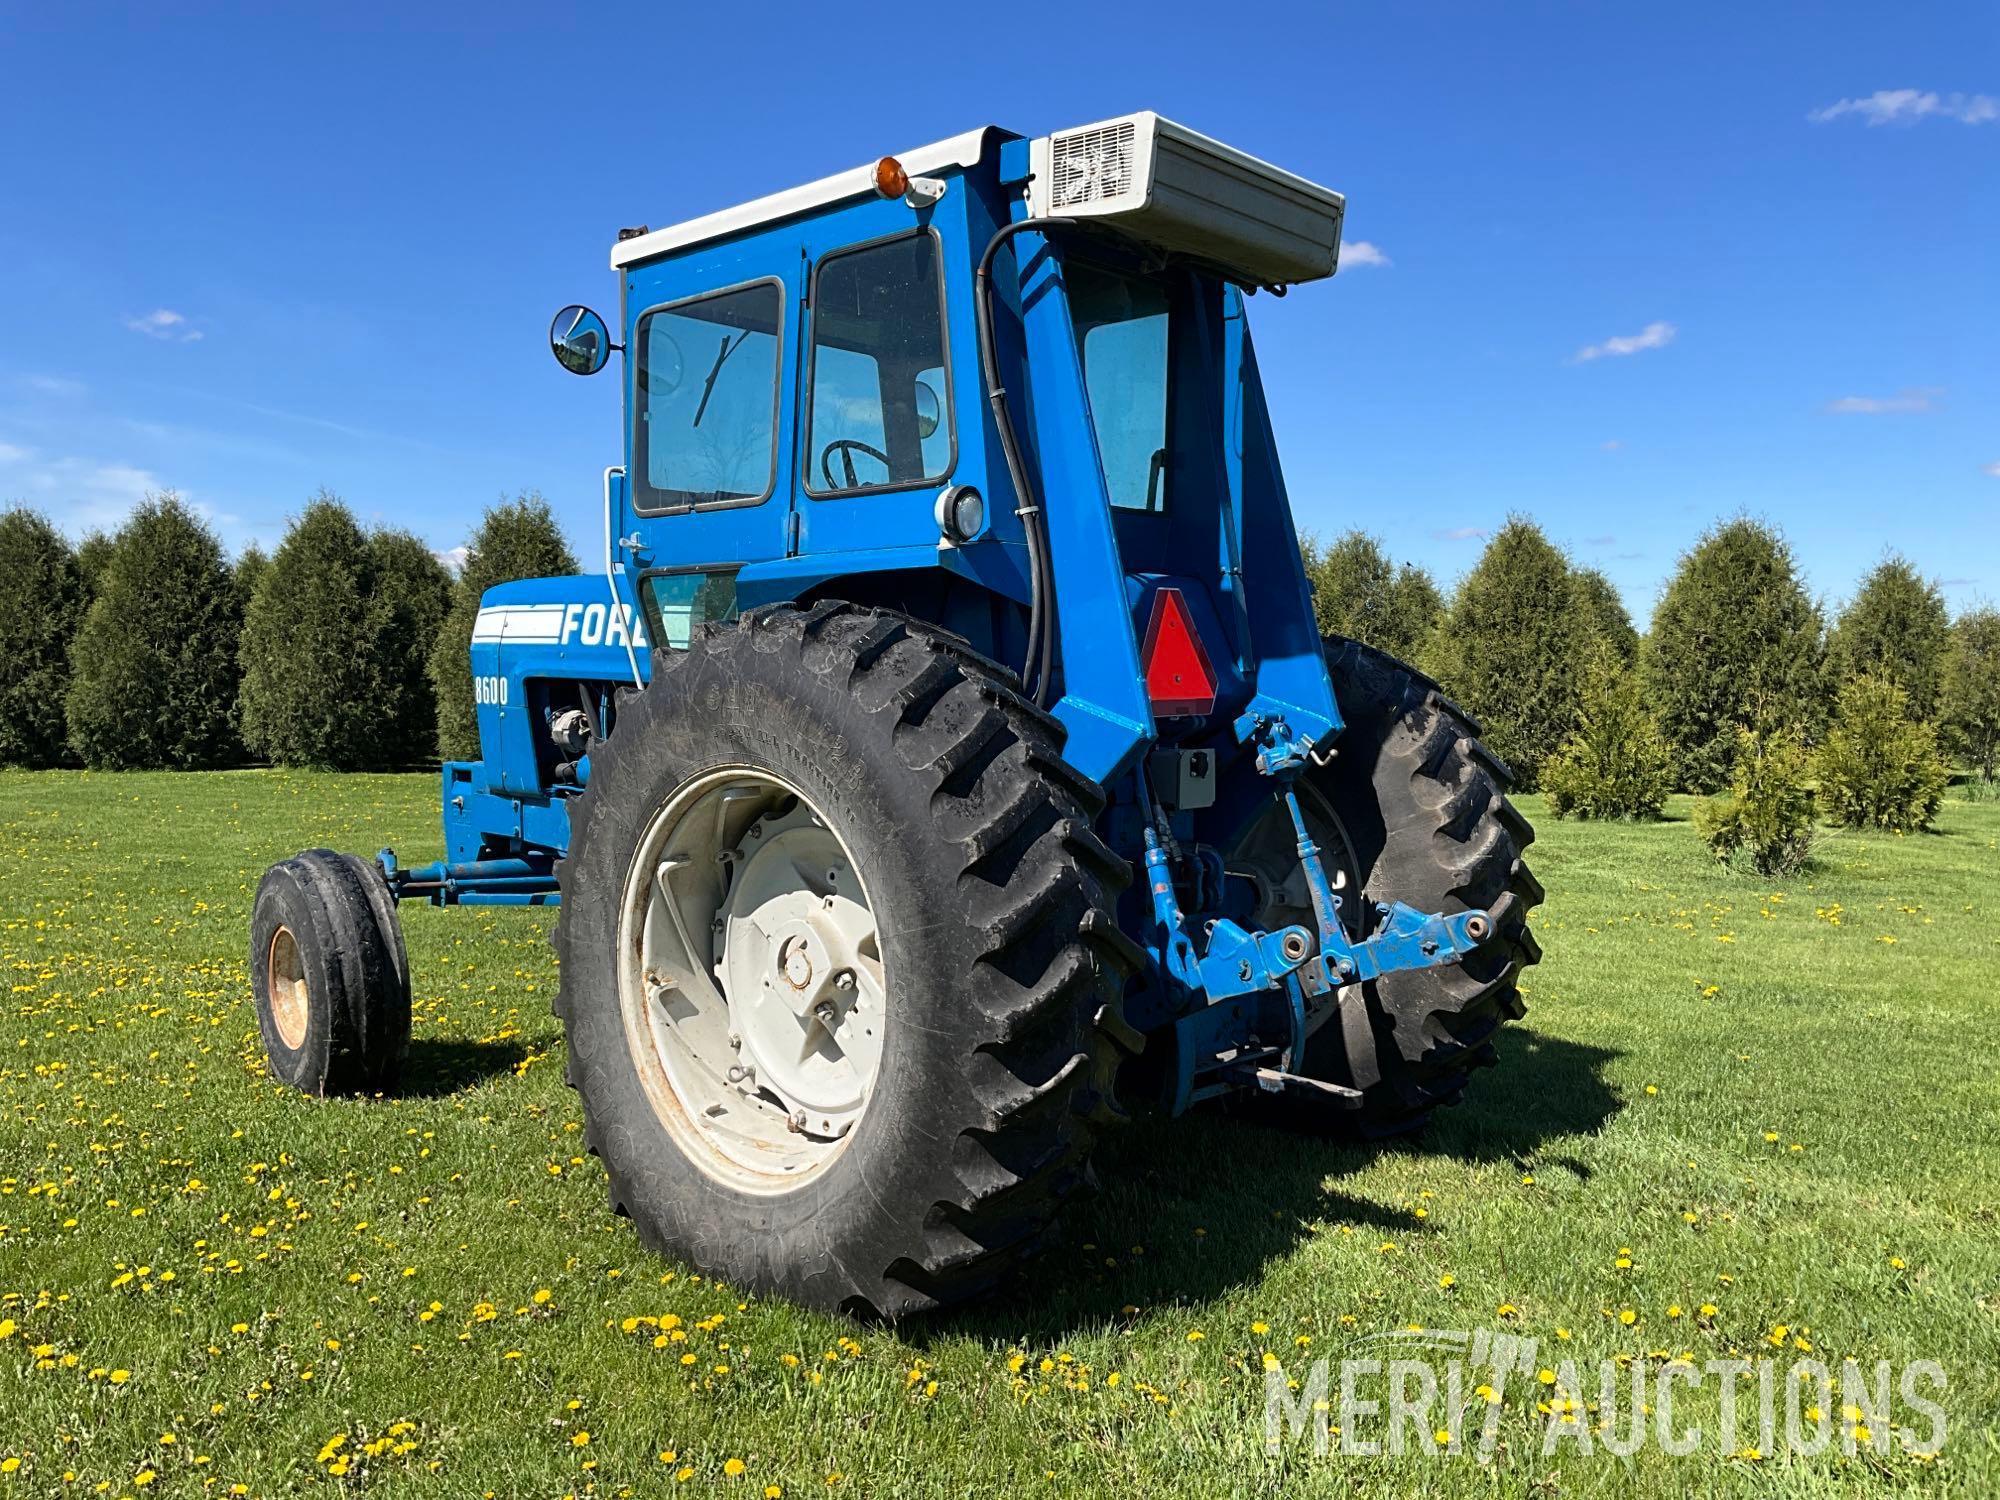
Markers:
point(986, 904)
point(329, 976)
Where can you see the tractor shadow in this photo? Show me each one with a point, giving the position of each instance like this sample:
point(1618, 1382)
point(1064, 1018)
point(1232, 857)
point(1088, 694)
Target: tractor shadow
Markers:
point(1191, 1209)
point(435, 1068)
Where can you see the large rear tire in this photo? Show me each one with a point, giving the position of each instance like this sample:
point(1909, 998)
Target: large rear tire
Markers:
point(881, 1168)
point(1412, 808)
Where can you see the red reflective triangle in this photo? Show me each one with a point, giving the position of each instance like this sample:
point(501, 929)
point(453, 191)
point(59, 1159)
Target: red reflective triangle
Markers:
point(1179, 679)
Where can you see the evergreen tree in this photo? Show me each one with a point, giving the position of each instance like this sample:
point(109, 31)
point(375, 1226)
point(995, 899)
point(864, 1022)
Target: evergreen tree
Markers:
point(1736, 644)
point(516, 538)
point(1879, 767)
point(250, 565)
point(1512, 648)
point(1615, 765)
point(92, 553)
point(1604, 614)
point(412, 595)
point(43, 597)
point(1765, 816)
point(1895, 627)
point(312, 695)
point(1972, 687)
point(154, 665)
point(1359, 593)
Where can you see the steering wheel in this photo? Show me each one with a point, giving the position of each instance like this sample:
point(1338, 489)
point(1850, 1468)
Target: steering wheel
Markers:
point(847, 448)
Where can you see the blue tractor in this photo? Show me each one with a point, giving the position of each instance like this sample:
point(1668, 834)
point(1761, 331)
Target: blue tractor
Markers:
point(945, 765)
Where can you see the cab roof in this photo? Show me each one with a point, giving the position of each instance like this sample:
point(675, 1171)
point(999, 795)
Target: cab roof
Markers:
point(959, 151)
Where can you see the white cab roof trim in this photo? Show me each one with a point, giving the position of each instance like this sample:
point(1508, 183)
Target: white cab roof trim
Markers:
point(960, 151)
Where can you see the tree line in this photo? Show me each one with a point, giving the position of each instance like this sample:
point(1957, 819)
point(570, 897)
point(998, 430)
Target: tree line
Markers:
point(348, 649)
point(344, 649)
point(1740, 688)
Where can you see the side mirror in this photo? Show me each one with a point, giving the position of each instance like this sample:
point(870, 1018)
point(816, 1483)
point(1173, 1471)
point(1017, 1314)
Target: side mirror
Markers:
point(579, 340)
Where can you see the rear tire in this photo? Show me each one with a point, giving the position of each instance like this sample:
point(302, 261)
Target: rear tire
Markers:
point(1423, 816)
point(992, 902)
point(328, 975)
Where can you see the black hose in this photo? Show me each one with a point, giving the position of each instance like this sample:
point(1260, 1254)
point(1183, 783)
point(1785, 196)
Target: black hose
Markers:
point(1036, 663)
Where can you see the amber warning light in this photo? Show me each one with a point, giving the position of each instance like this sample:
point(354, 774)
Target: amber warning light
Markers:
point(891, 181)
point(1179, 679)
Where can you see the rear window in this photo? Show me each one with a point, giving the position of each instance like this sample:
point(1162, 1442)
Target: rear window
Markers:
point(1122, 326)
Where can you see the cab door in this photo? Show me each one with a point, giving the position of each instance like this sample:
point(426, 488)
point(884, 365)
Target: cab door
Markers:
point(877, 440)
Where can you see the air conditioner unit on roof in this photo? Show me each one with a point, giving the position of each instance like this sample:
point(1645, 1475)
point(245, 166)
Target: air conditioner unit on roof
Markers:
point(1176, 189)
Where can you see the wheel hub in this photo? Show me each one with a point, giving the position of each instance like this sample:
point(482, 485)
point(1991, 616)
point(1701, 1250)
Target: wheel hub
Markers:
point(791, 941)
point(752, 983)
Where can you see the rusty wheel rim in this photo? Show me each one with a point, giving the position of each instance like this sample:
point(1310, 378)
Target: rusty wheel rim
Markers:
point(291, 996)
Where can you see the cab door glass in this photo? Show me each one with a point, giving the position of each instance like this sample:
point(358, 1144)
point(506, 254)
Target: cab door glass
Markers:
point(880, 395)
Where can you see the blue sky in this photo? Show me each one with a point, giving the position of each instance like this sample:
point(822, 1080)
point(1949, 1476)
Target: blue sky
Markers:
point(246, 253)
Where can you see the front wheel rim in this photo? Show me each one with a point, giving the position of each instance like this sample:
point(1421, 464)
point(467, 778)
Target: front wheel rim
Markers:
point(750, 979)
point(290, 993)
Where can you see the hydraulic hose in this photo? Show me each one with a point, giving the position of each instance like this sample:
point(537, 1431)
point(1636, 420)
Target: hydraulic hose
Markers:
point(1037, 661)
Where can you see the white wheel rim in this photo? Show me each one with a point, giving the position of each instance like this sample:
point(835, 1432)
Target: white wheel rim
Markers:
point(750, 979)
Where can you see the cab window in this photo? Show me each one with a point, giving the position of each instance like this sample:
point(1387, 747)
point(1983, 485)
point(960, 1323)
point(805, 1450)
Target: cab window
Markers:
point(880, 394)
point(1122, 332)
point(706, 401)
point(676, 603)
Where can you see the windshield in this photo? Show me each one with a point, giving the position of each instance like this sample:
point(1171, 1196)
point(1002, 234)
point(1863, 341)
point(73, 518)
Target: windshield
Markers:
point(1122, 336)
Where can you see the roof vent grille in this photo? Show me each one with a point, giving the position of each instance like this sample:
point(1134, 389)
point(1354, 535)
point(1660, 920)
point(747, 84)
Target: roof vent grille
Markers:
point(1092, 165)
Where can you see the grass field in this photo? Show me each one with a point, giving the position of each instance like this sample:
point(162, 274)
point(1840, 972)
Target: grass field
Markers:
point(1739, 1117)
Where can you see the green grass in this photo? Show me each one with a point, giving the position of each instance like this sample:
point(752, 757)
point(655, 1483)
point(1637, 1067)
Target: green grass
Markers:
point(1825, 1108)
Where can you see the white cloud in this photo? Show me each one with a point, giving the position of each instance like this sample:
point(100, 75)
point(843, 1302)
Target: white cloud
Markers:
point(53, 385)
point(83, 494)
point(1357, 253)
point(1652, 336)
point(12, 453)
point(1612, 445)
point(1992, 468)
point(1915, 398)
point(164, 323)
point(453, 557)
point(1907, 106)
point(1462, 534)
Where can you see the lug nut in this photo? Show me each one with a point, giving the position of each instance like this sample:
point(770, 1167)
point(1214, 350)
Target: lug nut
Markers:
point(825, 1014)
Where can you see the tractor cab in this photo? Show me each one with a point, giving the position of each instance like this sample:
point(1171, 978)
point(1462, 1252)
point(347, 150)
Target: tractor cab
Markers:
point(868, 387)
point(945, 763)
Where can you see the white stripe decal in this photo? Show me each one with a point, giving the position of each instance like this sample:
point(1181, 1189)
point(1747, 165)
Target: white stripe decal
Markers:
point(575, 622)
point(534, 624)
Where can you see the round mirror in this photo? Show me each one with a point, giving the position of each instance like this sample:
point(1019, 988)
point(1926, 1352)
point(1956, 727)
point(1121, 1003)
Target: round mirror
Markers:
point(930, 410)
point(579, 340)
